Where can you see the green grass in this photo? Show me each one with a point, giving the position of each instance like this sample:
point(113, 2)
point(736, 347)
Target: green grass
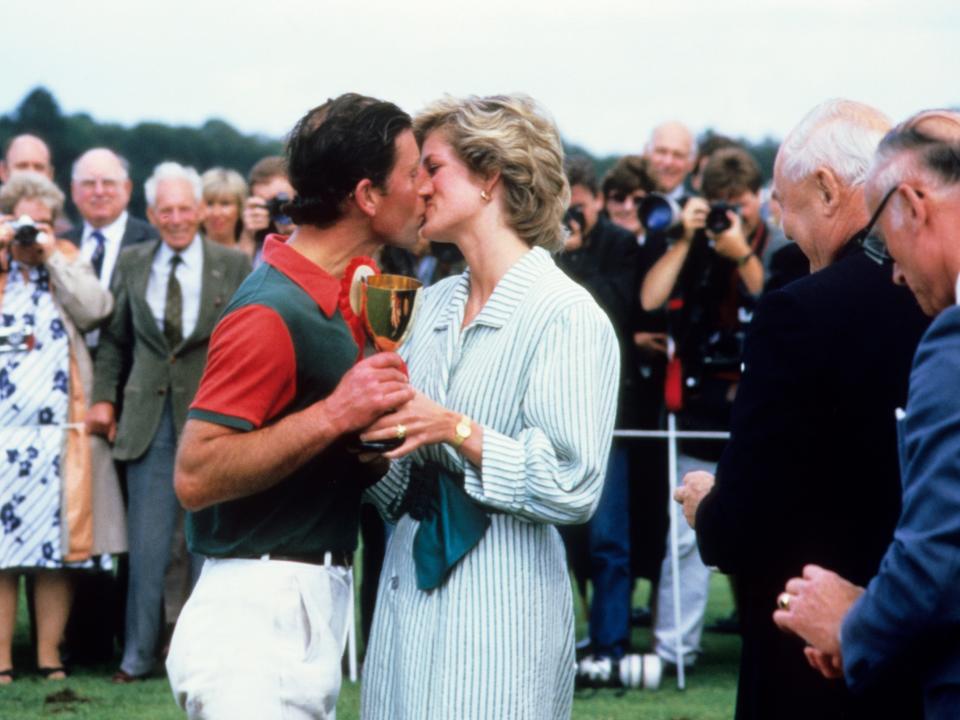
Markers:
point(88, 693)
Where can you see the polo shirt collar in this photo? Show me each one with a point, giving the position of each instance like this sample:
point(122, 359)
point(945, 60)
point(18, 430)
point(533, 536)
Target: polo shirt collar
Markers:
point(320, 285)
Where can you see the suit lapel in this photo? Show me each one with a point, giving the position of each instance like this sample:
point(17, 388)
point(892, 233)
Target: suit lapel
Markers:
point(139, 279)
point(211, 296)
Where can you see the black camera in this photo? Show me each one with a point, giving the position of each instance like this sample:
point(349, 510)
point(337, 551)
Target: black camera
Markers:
point(25, 232)
point(574, 214)
point(717, 220)
point(661, 214)
point(275, 208)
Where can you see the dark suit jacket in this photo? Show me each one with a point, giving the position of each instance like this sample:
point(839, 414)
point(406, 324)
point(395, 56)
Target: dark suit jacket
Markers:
point(910, 613)
point(135, 231)
point(810, 474)
point(158, 370)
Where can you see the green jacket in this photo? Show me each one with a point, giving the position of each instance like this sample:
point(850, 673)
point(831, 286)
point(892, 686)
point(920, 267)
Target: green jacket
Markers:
point(157, 368)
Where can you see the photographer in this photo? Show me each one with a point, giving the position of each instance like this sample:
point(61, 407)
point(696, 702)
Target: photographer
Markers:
point(60, 502)
point(711, 275)
point(263, 213)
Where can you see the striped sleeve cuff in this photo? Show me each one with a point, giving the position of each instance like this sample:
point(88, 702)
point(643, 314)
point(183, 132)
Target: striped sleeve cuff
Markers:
point(220, 419)
point(500, 481)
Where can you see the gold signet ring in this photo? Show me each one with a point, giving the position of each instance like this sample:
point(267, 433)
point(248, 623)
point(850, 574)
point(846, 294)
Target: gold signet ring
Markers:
point(783, 601)
point(401, 431)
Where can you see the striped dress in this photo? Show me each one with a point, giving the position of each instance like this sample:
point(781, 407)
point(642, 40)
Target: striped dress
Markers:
point(538, 369)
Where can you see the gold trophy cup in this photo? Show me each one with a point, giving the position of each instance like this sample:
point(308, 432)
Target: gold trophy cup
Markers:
point(388, 304)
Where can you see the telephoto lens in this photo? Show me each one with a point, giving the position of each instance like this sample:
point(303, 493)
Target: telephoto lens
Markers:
point(658, 213)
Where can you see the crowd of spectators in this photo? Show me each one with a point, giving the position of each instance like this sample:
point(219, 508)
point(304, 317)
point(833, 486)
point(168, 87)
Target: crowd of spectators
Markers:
point(678, 244)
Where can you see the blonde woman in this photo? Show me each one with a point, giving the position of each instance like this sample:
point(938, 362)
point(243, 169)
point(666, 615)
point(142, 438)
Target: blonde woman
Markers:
point(224, 194)
point(516, 369)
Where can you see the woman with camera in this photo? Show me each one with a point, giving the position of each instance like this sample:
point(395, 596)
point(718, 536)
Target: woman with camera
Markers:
point(516, 369)
point(48, 296)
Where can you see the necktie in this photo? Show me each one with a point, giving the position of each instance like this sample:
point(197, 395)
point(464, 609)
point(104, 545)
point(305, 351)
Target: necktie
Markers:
point(98, 252)
point(173, 307)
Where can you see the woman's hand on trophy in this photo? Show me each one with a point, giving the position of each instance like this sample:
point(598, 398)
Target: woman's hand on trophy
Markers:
point(419, 422)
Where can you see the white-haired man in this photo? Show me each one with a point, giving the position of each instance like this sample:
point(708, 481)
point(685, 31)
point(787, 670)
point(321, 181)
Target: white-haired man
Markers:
point(810, 472)
point(169, 294)
point(907, 620)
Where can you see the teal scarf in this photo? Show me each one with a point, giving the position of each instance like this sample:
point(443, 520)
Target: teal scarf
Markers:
point(451, 524)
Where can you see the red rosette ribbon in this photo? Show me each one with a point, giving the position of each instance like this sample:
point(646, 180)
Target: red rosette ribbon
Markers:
point(349, 298)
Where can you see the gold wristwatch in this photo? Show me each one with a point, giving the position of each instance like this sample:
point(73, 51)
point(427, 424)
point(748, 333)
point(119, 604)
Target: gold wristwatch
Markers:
point(462, 431)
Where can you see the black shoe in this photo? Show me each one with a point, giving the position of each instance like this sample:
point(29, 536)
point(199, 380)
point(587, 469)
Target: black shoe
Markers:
point(641, 617)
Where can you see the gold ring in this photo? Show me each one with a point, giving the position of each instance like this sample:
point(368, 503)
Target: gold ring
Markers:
point(783, 601)
point(401, 431)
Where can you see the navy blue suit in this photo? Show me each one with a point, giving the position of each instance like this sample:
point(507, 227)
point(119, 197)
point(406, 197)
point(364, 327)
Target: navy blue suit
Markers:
point(810, 473)
point(910, 614)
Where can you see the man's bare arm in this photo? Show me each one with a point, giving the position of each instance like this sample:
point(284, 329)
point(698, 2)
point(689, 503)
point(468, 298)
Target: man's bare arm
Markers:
point(217, 463)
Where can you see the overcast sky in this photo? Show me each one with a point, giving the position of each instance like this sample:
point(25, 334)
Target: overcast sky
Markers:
point(608, 70)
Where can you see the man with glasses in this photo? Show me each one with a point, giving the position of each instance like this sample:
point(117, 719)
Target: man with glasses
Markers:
point(907, 620)
point(100, 189)
point(810, 473)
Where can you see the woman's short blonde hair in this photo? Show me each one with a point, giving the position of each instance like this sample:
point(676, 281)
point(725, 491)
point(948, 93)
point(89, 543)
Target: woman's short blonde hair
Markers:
point(512, 135)
point(219, 182)
point(25, 185)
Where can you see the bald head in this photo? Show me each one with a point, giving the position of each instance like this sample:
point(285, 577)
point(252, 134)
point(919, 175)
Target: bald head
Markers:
point(26, 152)
point(100, 187)
point(671, 150)
point(819, 174)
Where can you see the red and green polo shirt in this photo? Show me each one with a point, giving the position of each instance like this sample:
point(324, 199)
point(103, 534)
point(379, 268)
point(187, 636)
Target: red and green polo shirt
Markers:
point(281, 345)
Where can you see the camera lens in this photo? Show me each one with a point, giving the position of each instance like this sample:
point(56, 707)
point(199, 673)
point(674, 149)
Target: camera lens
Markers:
point(658, 213)
point(26, 235)
point(717, 220)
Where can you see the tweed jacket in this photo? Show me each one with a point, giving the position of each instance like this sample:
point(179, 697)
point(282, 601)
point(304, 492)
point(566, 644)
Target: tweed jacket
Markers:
point(158, 370)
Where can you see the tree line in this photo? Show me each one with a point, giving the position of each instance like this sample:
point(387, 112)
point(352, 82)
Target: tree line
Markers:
point(215, 143)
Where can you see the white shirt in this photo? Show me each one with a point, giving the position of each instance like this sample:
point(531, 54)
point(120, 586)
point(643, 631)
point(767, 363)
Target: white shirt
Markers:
point(956, 292)
point(113, 234)
point(190, 277)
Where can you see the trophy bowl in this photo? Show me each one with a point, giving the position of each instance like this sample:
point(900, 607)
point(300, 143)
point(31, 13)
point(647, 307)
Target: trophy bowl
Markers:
point(388, 304)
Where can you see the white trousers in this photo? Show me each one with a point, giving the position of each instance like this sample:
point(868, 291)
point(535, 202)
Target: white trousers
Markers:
point(261, 639)
point(694, 584)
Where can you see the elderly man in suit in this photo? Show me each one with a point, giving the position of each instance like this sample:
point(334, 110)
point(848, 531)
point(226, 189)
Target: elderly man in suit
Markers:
point(908, 617)
point(100, 189)
point(169, 294)
point(810, 472)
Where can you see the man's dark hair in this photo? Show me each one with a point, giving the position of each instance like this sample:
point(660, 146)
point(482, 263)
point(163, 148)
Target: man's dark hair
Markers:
point(629, 174)
point(580, 171)
point(265, 169)
point(711, 144)
point(730, 172)
point(335, 146)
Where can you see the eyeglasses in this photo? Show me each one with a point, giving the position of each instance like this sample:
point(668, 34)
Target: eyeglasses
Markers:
point(872, 245)
point(108, 184)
